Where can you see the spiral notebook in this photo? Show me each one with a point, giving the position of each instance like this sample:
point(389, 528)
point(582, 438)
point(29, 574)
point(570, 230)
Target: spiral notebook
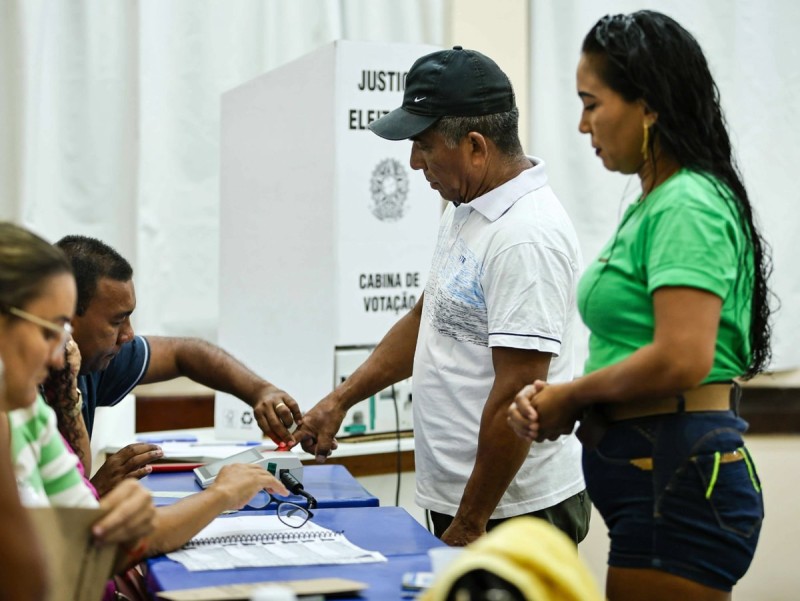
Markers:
point(264, 541)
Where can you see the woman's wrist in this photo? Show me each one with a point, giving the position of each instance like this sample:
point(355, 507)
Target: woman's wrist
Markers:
point(570, 392)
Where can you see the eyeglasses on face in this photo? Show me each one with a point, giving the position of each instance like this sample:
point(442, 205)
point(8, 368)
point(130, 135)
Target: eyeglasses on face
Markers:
point(63, 330)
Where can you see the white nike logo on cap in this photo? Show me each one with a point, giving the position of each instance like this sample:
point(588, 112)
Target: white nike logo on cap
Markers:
point(419, 99)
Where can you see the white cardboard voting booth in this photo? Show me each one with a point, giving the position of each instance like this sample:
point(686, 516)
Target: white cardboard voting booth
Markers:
point(326, 234)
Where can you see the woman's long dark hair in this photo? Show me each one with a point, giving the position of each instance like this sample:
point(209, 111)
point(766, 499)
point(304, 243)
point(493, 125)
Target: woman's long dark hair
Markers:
point(647, 55)
point(56, 392)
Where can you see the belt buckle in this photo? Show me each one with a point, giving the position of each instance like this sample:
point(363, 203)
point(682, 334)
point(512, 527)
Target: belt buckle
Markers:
point(646, 463)
point(643, 463)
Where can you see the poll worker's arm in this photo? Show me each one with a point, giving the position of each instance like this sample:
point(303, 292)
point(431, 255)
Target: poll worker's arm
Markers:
point(680, 357)
point(500, 453)
point(391, 361)
point(234, 486)
point(61, 392)
point(211, 366)
point(22, 564)
point(84, 444)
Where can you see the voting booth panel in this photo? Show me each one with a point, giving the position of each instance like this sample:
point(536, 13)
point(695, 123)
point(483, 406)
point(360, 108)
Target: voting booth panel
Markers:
point(326, 235)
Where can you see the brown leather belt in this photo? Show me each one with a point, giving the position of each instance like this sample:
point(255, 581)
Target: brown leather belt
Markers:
point(711, 397)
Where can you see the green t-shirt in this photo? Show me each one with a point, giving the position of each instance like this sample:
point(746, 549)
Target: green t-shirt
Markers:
point(685, 233)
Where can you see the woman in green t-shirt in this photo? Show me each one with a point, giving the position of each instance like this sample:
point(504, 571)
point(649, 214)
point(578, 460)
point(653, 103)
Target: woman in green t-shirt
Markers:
point(677, 309)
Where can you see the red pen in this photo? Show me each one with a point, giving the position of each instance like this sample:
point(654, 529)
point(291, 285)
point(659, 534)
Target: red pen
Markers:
point(174, 467)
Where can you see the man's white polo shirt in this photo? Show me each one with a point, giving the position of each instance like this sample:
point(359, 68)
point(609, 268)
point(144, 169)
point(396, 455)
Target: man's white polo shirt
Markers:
point(504, 274)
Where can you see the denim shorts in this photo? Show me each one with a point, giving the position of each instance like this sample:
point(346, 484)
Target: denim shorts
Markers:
point(690, 515)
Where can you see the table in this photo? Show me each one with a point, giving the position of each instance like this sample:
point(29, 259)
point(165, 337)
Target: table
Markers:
point(360, 456)
point(330, 485)
point(390, 530)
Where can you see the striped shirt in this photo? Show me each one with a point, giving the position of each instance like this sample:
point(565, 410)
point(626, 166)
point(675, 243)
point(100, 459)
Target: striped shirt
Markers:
point(46, 471)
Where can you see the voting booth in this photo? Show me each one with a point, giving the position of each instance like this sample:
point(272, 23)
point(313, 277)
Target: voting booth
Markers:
point(326, 234)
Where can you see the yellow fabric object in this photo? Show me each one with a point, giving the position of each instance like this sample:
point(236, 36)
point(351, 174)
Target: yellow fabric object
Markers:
point(533, 555)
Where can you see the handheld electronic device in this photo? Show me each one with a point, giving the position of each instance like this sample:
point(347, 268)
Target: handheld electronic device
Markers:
point(275, 462)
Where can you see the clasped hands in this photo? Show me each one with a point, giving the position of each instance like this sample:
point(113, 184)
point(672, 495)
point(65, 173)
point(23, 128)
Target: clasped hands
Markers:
point(543, 411)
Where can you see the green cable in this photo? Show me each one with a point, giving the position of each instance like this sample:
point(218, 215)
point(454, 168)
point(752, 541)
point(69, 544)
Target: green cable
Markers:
point(750, 469)
point(714, 475)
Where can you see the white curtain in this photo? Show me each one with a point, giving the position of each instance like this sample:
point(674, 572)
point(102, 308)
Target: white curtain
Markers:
point(109, 121)
point(755, 58)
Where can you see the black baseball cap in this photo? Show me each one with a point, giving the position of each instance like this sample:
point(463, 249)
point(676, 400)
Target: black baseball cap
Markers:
point(447, 83)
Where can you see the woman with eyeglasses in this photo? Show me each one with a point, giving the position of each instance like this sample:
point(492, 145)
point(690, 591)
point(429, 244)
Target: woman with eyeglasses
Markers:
point(37, 301)
point(677, 306)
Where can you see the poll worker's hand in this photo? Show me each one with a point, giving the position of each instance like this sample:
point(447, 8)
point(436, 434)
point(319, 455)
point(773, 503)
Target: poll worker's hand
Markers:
point(319, 427)
point(61, 386)
point(239, 482)
point(130, 514)
point(276, 412)
point(543, 411)
point(72, 355)
point(129, 462)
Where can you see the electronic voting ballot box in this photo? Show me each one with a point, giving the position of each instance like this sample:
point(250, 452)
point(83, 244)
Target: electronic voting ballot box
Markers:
point(326, 234)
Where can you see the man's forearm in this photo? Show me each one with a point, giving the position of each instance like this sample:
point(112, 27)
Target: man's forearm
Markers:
point(215, 368)
point(500, 452)
point(500, 455)
point(391, 361)
point(205, 364)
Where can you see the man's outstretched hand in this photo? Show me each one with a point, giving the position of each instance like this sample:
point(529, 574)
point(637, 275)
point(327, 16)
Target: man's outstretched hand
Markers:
point(318, 429)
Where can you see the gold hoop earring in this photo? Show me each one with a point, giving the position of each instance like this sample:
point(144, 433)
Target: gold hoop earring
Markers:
point(646, 141)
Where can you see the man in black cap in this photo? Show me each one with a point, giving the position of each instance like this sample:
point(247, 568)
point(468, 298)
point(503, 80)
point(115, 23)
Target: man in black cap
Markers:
point(498, 311)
